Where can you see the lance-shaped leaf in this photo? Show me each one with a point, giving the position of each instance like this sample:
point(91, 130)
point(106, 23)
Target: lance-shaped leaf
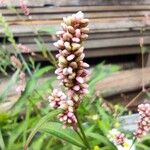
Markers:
point(67, 134)
point(40, 125)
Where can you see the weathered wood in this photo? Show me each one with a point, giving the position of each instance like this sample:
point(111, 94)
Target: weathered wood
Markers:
point(96, 43)
point(96, 25)
point(114, 30)
point(91, 15)
point(86, 9)
point(75, 2)
point(124, 81)
point(47, 38)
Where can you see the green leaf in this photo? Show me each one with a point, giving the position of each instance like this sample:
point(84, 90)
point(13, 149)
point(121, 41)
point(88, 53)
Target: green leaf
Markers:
point(42, 71)
point(15, 135)
point(40, 125)
point(144, 143)
point(9, 85)
point(2, 145)
point(47, 30)
point(105, 119)
point(67, 134)
point(142, 147)
point(38, 143)
point(101, 139)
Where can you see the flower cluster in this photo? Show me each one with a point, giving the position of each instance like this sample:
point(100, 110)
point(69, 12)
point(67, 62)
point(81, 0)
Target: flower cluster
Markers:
point(22, 77)
point(24, 7)
point(116, 137)
point(21, 83)
point(15, 62)
point(58, 99)
point(23, 48)
point(72, 71)
point(119, 139)
point(71, 68)
point(144, 120)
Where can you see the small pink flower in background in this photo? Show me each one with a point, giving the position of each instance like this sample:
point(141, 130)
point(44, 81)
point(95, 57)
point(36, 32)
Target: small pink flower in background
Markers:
point(2, 1)
point(24, 7)
point(24, 49)
point(141, 41)
point(15, 62)
point(21, 83)
point(119, 139)
point(146, 19)
point(144, 120)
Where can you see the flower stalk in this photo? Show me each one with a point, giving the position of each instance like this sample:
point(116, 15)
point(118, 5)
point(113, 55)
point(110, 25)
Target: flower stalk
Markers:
point(71, 69)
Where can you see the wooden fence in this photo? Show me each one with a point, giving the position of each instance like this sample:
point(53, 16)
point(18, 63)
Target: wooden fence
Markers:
point(115, 25)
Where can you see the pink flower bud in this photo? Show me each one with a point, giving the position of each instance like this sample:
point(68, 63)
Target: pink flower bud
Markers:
point(58, 70)
point(77, 40)
point(15, 62)
point(65, 71)
point(67, 46)
point(70, 103)
point(75, 46)
point(70, 114)
point(77, 33)
point(76, 88)
point(141, 42)
point(83, 64)
point(80, 79)
point(71, 29)
point(64, 26)
point(67, 37)
point(70, 57)
point(62, 60)
point(69, 70)
point(78, 16)
point(24, 7)
point(24, 49)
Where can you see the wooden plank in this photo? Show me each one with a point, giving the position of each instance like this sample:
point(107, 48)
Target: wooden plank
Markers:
point(15, 3)
point(117, 51)
point(98, 52)
point(85, 9)
point(49, 16)
point(124, 81)
point(75, 2)
point(98, 43)
point(47, 38)
point(100, 25)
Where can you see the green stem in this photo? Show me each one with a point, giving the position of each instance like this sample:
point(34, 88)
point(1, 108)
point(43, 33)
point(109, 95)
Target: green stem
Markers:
point(80, 135)
point(82, 132)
